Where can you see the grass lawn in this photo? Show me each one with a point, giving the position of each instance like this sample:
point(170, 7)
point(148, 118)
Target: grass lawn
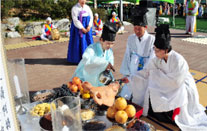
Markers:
point(180, 23)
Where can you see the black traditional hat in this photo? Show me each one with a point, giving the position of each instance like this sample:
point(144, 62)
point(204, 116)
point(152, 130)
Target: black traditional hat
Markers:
point(109, 31)
point(162, 37)
point(139, 16)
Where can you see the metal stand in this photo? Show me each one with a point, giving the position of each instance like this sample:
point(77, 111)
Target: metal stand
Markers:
point(21, 110)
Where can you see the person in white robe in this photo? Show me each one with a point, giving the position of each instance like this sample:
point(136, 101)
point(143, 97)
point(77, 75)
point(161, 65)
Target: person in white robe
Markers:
point(138, 52)
point(191, 12)
point(171, 90)
point(46, 30)
point(98, 57)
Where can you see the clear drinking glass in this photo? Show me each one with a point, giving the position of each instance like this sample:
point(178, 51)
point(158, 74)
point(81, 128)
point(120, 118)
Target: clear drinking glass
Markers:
point(66, 114)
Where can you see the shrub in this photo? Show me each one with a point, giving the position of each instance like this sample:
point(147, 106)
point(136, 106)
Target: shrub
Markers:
point(20, 29)
point(33, 10)
point(101, 12)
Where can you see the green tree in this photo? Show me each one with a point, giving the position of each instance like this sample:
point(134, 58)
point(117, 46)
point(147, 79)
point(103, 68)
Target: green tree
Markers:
point(6, 5)
point(62, 9)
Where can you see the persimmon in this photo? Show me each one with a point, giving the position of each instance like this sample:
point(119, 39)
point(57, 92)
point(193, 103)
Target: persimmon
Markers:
point(69, 84)
point(74, 88)
point(80, 87)
point(76, 81)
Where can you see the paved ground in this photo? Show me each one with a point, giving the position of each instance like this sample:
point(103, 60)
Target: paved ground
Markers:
point(47, 68)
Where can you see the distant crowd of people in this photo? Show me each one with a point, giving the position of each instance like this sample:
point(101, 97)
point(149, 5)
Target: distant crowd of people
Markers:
point(163, 8)
point(180, 10)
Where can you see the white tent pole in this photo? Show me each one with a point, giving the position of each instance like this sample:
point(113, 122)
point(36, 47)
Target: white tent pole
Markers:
point(95, 4)
point(121, 10)
point(174, 14)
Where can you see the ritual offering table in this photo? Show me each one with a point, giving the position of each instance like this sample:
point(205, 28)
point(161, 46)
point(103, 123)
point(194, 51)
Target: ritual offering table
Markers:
point(97, 111)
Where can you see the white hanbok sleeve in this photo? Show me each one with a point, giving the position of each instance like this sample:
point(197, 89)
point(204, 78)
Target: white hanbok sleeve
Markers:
point(111, 56)
point(75, 14)
point(110, 20)
point(101, 25)
point(43, 30)
point(93, 63)
point(167, 82)
point(125, 67)
point(53, 26)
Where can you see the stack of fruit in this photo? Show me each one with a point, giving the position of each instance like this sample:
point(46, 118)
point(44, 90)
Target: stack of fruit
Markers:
point(121, 111)
point(76, 85)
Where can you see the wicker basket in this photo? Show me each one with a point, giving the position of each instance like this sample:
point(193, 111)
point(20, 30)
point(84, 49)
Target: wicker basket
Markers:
point(55, 34)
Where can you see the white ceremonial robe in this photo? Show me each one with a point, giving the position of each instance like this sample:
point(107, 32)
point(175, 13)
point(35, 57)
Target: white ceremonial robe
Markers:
point(94, 61)
point(170, 85)
point(134, 51)
point(75, 14)
point(190, 19)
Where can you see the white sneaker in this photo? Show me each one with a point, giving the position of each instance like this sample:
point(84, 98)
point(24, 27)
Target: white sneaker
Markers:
point(46, 40)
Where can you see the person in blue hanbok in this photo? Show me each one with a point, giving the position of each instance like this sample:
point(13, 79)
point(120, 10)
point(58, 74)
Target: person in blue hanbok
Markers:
point(80, 31)
point(98, 57)
point(138, 52)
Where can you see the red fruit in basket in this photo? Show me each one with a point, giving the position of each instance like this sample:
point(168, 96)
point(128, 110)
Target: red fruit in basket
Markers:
point(69, 84)
point(80, 87)
point(74, 88)
point(76, 80)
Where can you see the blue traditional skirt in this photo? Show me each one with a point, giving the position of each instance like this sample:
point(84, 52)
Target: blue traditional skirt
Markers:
point(78, 44)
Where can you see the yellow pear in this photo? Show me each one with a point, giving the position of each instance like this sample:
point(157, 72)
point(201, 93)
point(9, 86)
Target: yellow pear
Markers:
point(130, 110)
point(111, 111)
point(121, 117)
point(120, 103)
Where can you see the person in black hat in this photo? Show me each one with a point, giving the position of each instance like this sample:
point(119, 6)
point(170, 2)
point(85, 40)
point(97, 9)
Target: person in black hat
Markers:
point(98, 57)
point(172, 95)
point(138, 52)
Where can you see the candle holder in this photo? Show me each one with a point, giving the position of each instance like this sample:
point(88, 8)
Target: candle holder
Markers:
point(18, 82)
point(20, 109)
